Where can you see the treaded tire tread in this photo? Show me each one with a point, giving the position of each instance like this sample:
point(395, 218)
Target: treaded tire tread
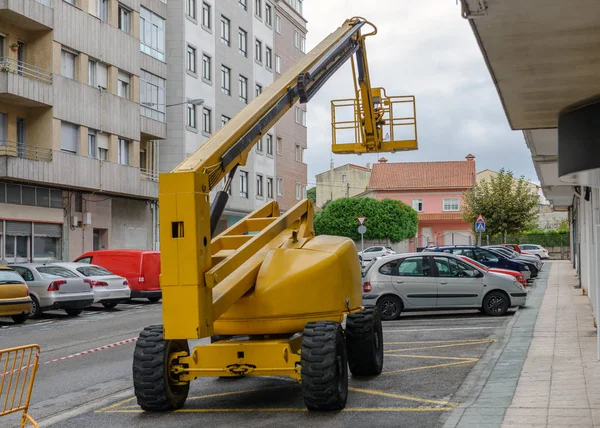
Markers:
point(150, 377)
point(489, 296)
point(323, 387)
point(364, 342)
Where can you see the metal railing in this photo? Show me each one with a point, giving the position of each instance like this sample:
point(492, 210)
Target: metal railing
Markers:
point(147, 174)
point(45, 2)
point(25, 151)
point(11, 65)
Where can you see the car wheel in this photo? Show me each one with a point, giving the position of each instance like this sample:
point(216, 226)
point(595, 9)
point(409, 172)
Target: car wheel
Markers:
point(495, 303)
point(35, 311)
point(390, 307)
point(110, 305)
point(364, 342)
point(20, 319)
point(73, 312)
point(153, 299)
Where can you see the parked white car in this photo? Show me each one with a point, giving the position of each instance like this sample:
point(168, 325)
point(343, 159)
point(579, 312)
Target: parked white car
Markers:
point(537, 250)
point(109, 289)
point(373, 252)
point(420, 281)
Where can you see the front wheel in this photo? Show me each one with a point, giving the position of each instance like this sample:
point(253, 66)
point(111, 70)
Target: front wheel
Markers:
point(19, 319)
point(110, 305)
point(35, 311)
point(390, 307)
point(73, 312)
point(154, 385)
point(364, 341)
point(495, 303)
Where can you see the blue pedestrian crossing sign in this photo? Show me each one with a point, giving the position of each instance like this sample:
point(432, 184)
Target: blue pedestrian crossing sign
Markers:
point(480, 224)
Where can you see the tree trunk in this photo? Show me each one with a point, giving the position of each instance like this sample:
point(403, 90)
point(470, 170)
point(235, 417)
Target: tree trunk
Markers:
point(504, 237)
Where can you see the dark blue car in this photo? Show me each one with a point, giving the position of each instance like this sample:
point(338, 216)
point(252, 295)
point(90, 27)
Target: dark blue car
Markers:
point(485, 257)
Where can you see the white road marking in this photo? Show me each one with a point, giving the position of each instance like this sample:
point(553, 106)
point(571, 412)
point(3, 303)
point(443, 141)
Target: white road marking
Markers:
point(440, 329)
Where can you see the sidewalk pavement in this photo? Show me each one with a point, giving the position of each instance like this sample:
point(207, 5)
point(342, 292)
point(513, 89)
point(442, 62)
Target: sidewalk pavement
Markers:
point(544, 372)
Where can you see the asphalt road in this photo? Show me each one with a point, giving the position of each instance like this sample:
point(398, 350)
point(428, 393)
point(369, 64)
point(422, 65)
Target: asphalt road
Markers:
point(84, 377)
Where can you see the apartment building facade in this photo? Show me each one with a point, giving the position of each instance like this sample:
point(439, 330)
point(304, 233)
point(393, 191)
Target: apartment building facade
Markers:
point(344, 181)
point(225, 53)
point(82, 88)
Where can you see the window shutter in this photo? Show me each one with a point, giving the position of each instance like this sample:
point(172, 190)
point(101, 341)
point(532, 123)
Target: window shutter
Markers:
point(102, 75)
point(18, 228)
point(47, 230)
point(68, 137)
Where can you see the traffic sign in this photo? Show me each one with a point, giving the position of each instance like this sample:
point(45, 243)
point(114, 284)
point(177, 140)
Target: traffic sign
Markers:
point(362, 229)
point(480, 226)
point(480, 219)
point(361, 220)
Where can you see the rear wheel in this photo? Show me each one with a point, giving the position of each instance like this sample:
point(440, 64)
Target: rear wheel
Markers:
point(19, 319)
point(390, 307)
point(73, 312)
point(153, 299)
point(110, 305)
point(364, 342)
point(324, 366)
point(153, 383)
point(35, 311)
point(495, 303)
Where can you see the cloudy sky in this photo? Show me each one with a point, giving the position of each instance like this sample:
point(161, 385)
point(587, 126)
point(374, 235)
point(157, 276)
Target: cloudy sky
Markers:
point(423, 48)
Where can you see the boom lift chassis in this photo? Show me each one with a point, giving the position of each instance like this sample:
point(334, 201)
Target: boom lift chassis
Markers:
point(274, 299)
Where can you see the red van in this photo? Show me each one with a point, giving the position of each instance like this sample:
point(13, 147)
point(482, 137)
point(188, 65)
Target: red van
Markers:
point(141, 268)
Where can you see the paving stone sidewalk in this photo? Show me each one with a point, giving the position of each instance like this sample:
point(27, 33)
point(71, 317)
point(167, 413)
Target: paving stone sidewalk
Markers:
point(545, 373)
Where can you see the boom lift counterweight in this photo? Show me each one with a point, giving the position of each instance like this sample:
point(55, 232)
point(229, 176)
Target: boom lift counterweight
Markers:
point(271, 295)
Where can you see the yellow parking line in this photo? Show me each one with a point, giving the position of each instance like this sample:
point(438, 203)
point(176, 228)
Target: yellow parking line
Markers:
point(432, 357)
point(117, 404)
point(401, 397)
point(435, 366)
point(435, 341)
point(441, 346)
point(299, 410)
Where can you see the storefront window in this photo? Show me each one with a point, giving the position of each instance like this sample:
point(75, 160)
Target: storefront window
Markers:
point(46, 248)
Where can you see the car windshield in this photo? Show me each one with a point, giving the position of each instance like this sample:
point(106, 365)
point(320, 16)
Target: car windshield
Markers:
point(55, 272)
point(10, 277)
point(93, 271)
point(504, 251)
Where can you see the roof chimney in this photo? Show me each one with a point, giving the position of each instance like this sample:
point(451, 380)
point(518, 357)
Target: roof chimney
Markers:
point(368, 165)
point(470, 157)
point(382, 160)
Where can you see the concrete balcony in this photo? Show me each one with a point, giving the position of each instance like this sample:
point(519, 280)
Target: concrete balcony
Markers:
point(30, 15)
point(60, 169)
point(25, 84)
point(155, 129)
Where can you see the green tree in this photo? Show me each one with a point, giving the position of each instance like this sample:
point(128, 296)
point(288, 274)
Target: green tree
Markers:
point(386, 219)
point(312, 194)
point(509, 205)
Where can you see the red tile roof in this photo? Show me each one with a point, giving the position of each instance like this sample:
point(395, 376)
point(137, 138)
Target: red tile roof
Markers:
point(423, 175)
point(440, 216)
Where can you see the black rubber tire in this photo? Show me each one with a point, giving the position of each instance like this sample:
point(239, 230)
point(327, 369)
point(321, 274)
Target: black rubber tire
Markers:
point(534, 271)
point(73, 312)
point(390, 307)
point(152, 384)
point(496, 303)
point(20, 319)
point(110, 305)
point(35, 311)
point(364, 342)
point(153, 299)
point(324, 366)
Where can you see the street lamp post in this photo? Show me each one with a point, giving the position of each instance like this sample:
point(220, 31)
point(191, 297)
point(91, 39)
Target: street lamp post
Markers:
point(193, 101)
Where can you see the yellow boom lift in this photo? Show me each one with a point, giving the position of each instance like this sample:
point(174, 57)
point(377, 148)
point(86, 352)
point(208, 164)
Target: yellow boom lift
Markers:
point(274, 299)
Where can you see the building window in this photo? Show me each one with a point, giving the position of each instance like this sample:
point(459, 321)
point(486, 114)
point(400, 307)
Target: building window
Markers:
point(190, 8)
point(152, 34)
point(97, 74)
point(268, 57)
point(224, 120)
point(92, 146)
point(225, 33)
point(300, 116)
point(243, 184)
point(344, 179)
point(258, 50)
point(67, 64)
point(206, 15)
point(206, 121)
point(279, 145)
point(243, 42)
point(298, 191)
point(298, 6)
point(102, 154)
point(69, 136)
point(124, 19)
point(243, 87)
point(259, 185)
point(103, 10)
point(269, 144)
point(450, 204)
point(92, 73)
point(259, 145)
point(225, 80)
point(191, 116)
point(206, 66)
point(123, 155)
point(258, 89)
point(268, 14)
point(299, 41)
point(299, 153)
point(152, 96)
point(417, 205)
point(30, 195)
point(279, 186)
point(277, 63)
point(269, 188)
point(243, 4)
point(191, 59)
point(123, 85)
point(304, 191)
point(258, 8)
point(278, 24)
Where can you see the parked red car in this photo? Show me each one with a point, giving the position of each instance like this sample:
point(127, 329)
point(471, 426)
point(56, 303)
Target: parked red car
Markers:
point(519, 277)
point(515, 247)
point(141, 268)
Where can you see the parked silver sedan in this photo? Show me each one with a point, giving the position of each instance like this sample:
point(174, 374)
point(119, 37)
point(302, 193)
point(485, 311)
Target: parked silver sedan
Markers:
point(109, 289)
point(53, 287)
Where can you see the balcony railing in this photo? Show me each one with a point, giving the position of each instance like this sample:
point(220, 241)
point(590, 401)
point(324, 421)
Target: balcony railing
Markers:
point(147, 174)
point(10, 65)
point(25, 151)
